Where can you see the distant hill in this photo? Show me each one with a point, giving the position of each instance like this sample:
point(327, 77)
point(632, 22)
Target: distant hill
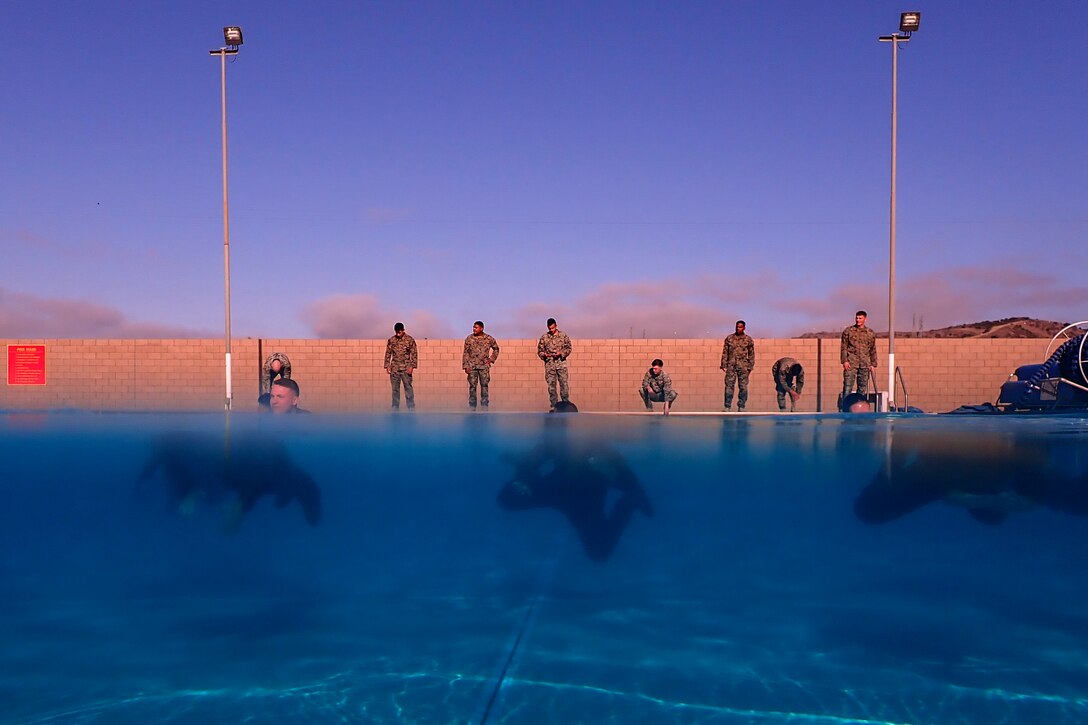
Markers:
point(1010, 327)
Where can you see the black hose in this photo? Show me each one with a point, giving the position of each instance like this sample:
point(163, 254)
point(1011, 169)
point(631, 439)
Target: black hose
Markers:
point(1042, 372)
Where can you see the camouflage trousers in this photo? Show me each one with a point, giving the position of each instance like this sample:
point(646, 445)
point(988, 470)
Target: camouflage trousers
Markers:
point(649, 398)
point(783, 392)
point(555, 374)
point(859, 375)
point(398, 378)
point(736, 376)
point(481, 377)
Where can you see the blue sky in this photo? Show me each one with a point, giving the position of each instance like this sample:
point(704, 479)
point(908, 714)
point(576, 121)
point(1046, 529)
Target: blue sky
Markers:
point(634, 168)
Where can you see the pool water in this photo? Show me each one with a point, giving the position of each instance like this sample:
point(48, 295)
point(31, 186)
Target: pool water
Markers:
point(808, 569)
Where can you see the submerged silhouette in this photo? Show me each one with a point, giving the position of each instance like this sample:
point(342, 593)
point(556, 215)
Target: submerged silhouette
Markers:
point(205, 469)
point(575, 478)
point(991, 475)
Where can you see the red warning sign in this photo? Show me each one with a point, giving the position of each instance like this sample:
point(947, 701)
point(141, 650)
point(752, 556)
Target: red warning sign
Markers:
point(26, 364)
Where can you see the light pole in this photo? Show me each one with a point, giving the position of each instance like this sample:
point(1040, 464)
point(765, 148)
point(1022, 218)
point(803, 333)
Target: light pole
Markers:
point(908, 23)
point(232, 38)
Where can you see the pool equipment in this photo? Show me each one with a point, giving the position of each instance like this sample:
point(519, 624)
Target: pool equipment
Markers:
point(1059, 383)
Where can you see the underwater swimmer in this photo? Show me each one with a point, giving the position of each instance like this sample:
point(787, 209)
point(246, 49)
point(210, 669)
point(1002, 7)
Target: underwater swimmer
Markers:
point(204, 469)
point(575, 479)
point(991, 475)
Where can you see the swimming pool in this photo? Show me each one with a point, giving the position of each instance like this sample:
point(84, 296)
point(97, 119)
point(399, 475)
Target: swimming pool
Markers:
point(814, 569)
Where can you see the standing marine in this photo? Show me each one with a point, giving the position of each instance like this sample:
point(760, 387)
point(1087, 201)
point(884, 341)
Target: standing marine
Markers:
point(481, 352)
point(738, 360)
point(857, 353)
point(554, 348)
point(401, 360)
point(789, 380)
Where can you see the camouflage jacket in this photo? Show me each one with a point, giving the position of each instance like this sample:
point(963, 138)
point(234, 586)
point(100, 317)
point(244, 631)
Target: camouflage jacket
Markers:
point(739, 351)
point(660, 383)
point(858, 347)
point(266, 370)
point(401, 353)
point(478, 352)
point(554, 349)
point(782, 377)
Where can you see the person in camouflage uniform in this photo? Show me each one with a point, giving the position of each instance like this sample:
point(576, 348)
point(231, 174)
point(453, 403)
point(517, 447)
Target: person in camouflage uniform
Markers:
point(789, 379)
point(477, 360)
point(738, 360)
point(553, 348)
point(657, 387)
point(276, 365)
point(857, 353)
point(401, 360)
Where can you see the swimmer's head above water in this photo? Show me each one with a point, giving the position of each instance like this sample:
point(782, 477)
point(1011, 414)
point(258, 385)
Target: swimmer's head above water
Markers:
point(856, 403)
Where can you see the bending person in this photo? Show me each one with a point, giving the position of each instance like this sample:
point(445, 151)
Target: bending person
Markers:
point(276, 366)
point(789, 380)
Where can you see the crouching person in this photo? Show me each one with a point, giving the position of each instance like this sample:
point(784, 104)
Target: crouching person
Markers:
point(657, 387)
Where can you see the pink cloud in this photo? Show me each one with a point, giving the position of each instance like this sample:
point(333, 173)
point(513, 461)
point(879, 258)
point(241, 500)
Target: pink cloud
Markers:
point(85, 249)
point(940, 299)
point(387, 215)
point(703, 306)
point(707, 306)
point(666, 308)
point(832, 311)
point(969, 294)
point(25, 315)
point(31, 239)
point(362, 316)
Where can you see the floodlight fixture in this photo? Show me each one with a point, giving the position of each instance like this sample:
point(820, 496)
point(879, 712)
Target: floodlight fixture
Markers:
point(908, 23)
point(232, 35)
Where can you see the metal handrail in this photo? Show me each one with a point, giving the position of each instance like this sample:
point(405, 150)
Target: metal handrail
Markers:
point(902, 382)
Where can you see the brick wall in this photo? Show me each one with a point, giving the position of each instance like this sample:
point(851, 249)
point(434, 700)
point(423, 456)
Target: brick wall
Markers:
point(346, 375)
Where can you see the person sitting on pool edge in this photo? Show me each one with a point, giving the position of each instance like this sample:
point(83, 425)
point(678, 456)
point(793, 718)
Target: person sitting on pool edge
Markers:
point(284, 398)
point(657, 387)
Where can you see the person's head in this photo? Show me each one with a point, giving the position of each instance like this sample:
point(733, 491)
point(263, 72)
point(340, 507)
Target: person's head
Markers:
point(795, 369)
point(859, 318)
point(275, 366)
point(657, 365)
point(552, 327)
point(856, 403)
point(740, 327)
point(284, 396)
point(477, 328)
point(398, 329)
point(555, 426)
